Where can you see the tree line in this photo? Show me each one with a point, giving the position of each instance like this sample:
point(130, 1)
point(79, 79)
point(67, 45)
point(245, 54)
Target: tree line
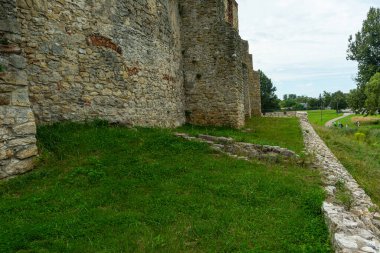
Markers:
point(270, 102)
point(364, 48)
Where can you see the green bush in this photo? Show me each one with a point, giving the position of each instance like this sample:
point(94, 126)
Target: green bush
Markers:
point(360, 136)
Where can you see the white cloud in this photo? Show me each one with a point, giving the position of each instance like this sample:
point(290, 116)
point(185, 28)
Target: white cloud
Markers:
point(295, 40)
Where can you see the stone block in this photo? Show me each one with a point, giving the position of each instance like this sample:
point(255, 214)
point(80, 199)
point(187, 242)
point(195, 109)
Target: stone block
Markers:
point(57, 49)
point(25, 129)
point(5, 99)
point(24, 4)
point(10, 49)
point(4, 154)
point(22, 141)
point(17, 167)
point(4, 88)
point(27, 152)
point(17, 61)
point(20, 98)
point(14, 78)
point(2, 173)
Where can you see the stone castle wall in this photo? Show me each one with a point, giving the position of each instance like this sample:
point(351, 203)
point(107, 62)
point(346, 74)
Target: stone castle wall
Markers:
point(142, 62)
point(247, 69)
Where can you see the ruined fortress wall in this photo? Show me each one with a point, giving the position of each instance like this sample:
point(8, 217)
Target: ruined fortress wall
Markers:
point(110, 59)
point(212, 65)
point(141, 62)
point(17, 125)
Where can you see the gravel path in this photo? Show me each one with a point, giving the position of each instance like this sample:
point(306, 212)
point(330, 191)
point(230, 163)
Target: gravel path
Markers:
point(353, 228)
point(331, 122)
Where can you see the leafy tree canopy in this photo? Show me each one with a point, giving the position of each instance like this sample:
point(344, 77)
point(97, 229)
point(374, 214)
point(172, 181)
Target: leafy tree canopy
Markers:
point(269, 100)
point(372, 91)
point(364, 48)
point(294, 102)
point(338, 100)
point(355, 100)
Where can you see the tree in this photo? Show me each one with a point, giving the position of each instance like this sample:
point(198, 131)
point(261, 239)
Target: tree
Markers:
point(302, 99)
point(289, 103)
point(269, 100)
point(313, 103)
point(339, 100)
point(326, 99)
point(365, 48)
point(355, 100)
point(372, 91)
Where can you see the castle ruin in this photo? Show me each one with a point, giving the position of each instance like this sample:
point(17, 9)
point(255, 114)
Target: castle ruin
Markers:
point(142, 62)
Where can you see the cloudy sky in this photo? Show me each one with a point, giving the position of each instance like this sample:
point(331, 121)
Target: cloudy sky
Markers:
point(301, 45)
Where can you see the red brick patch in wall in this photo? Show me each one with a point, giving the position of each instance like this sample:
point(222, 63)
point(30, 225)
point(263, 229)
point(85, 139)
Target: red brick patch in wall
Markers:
point(168, 78)
point(133, 71)
point(230, 12)
point(101, 41)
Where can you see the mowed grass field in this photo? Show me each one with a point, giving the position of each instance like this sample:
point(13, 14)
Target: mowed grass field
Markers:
point(98, 188)
point(327, 115)
point(358, 148)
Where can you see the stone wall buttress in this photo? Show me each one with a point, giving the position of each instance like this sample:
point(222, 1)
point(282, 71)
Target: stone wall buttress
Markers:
point(212, 65)
point(256, 95)
point(17, 124)
point(219, 77)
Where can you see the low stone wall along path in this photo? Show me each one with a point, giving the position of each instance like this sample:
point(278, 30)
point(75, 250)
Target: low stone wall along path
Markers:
point(353, 223)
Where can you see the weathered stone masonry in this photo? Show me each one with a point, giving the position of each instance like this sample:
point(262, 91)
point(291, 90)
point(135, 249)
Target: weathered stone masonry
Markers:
point(116, 60)
point(142, 62)
point(17, 125)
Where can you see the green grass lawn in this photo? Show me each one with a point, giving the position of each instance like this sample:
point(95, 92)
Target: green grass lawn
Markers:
point(111, 189)
point(358, 149)
point(315, 116)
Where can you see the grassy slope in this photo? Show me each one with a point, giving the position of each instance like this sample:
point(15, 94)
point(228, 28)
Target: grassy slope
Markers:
point(361, 158)
point(282, 132)
point(101, 189)
point(315, 116)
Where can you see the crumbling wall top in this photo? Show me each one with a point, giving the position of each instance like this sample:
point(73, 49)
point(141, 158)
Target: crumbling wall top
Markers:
point(231, 8)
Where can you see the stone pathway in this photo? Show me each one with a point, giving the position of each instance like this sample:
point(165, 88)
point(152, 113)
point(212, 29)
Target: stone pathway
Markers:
point(354, 228)
point(331, 122)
